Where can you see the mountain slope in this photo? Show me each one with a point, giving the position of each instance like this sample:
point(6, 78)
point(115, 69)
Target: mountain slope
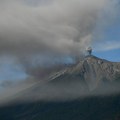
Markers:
point(73, 93)
point(92, 70)
point(89, 76)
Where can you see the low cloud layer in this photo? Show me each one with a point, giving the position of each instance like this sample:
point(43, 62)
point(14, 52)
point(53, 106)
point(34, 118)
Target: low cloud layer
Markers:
point(34, 92)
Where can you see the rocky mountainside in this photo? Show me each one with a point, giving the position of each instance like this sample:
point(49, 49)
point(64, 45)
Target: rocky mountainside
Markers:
point(91, 70)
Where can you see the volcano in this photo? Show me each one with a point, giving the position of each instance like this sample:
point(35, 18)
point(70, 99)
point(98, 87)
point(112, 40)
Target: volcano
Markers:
point(87, 90)
point(91, 70)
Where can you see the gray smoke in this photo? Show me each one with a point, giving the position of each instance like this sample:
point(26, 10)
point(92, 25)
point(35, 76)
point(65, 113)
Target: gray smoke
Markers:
point(53, 27)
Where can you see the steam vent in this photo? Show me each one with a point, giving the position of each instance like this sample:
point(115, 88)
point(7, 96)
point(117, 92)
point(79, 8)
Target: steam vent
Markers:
point(89, 50)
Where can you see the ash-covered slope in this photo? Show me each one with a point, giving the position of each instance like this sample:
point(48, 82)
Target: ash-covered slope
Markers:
point(91, 70)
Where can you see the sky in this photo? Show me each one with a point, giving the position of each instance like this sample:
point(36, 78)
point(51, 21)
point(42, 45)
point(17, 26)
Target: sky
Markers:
point(56, 30)
point(110, 55)
point(110, 49)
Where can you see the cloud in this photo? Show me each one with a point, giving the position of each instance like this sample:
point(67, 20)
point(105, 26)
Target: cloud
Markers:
point(55, 27)
point(107, 46)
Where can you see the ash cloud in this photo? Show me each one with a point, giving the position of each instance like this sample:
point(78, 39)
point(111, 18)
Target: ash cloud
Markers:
point(54, 26)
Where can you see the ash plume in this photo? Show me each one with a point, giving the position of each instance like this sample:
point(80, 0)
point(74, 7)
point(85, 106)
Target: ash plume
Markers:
point(50, 27)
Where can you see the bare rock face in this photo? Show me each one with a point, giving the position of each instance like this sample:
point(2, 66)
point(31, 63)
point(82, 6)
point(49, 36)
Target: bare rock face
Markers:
point(92, 70)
